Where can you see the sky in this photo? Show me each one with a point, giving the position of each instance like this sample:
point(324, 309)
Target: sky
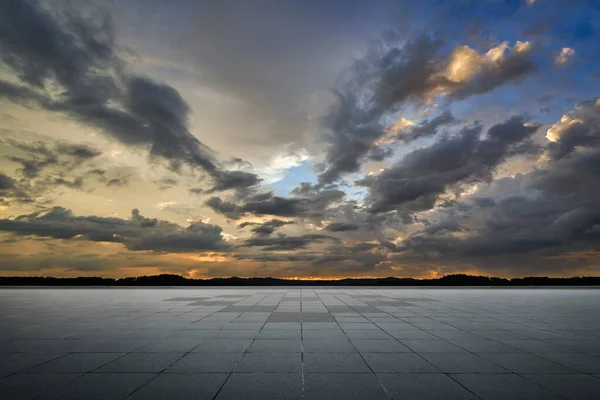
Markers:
point(299, 139)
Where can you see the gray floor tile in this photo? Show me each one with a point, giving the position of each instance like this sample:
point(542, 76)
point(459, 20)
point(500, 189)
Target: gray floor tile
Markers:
point(579, 362)
point(526, 363)
point(276, 346)
point(343, 386)
point(334, 362)
point(463, 364)
point(206, 362)
point(141, 362)
point(30, 386)
point(270, 362)
point(97, 386)
point(188, 386)
point(170, 345)
point(217, 345)
point(15, 362)
point(432, 346)
point(77, 362)
point(280, 334)
point(380, 346)
point(399, 362)
point(341, 345)
point(504, 386)
point(483, 346)
point(274, 386)
point(572, 386)
point(500, 344)
point(367, 334)
point(424, 387)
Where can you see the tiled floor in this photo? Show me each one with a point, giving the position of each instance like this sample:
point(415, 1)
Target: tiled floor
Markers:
point(292, 343)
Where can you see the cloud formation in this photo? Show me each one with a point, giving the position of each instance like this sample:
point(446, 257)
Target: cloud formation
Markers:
point(80, 56)
point(137, 233)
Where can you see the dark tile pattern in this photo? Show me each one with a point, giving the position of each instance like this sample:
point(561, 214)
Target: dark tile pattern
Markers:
point(299, 343)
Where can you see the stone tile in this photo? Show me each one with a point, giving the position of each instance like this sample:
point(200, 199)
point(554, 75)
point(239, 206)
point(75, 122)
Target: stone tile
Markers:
point(280, 334)
point(571, 386)
point(504, 386)
point(483, 346)
point(96, 386)
point(424, 387)
point(270, 362)
point(217, 345)
point(180, 386)
point(276, 346)
point(15, 362)
point(334, 362)
point(579, 362)
point(237, 334)
point(273, 386)
point(141, 362)
point(526, 363)
point(206, 362)
point(170, 345)
point(380, 346)
point(399, 362)
point(367, 334)
point(343, 386)
point(324, 334)
point(463, 364)
point(30, 386)
point(432, 346)
point(77, 362)
point(328, 346)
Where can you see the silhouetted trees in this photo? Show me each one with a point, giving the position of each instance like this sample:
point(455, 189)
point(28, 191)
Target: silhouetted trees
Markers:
point(177, 280)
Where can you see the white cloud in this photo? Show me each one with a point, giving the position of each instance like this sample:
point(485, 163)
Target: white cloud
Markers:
point(276, 168)
point(566, 54)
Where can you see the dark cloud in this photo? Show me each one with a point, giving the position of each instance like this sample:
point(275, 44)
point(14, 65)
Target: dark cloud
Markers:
point(417, 181)
point(579, 129)
point(553, 210)
point(428, 127)
point(137, 233)
point(337, 259)
point(76, 183)
point(312, 205)
point(82, 57)
point(266, 228)
point(6, 182)
point(119, 182)
point(342, 227)
point(387, 81)
point(65, 156)
point(283, 243)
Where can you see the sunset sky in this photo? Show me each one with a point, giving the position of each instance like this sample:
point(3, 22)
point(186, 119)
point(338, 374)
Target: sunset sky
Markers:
point(283, 138)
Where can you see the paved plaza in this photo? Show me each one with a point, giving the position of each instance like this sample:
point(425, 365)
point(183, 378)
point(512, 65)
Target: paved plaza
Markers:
point(299, 343)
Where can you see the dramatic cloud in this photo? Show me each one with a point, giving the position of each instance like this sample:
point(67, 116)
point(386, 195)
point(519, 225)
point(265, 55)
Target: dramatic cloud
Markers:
point(288, 242)
point(80, 57)
point(137, 233)
point(554, 207)
point(307, 204)
point(65, 156)
point(266, 228)
point(376, 146)
point(417, 181)
point(383, 83)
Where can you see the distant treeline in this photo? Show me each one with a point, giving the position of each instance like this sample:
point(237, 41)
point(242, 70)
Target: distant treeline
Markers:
point(177, 280)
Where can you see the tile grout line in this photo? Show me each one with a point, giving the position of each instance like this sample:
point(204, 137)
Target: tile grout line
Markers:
point(179, 359)
point(360, 355)
point(241, 358)
point(423, 358)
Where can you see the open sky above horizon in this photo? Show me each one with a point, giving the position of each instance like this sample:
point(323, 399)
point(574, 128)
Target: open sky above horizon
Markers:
point(293, 138)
